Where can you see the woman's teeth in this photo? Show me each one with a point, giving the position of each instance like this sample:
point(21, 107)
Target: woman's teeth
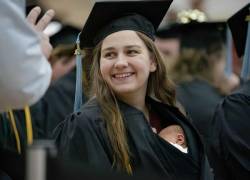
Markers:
point(123, 75)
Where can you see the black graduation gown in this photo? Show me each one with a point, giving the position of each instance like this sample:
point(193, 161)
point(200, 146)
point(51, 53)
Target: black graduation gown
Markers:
point(53, 108)
point(11, 163)
point(82, 137)
point(230, 143)
point(57, 103)
point(7, 136)
point(12, 166)
point(199, 99)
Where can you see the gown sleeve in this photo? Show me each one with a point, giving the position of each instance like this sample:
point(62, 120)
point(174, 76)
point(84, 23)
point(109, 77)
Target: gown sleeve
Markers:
point(81, 138)
point(230, 144)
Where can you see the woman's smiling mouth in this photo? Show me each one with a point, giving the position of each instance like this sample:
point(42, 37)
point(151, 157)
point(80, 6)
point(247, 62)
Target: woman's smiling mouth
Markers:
point(122, 75)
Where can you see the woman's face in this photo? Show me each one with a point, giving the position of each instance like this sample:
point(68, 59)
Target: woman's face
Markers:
point(125, 63)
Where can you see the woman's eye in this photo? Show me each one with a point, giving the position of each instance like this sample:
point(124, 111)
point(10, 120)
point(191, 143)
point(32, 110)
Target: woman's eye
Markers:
point(132, 52)
point(109, 55)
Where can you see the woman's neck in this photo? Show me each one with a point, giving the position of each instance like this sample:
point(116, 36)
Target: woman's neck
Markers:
point(136, 101)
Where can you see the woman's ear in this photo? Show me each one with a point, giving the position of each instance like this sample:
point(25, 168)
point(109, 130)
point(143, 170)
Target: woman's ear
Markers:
point(153, 64)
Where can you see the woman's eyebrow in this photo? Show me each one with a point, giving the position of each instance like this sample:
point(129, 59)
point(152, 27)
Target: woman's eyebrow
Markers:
point(133, 46)
point(108, 49)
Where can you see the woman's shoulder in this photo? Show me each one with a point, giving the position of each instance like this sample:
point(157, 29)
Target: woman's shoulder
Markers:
point(90, 111)
point(87, 116)
point(89, 108)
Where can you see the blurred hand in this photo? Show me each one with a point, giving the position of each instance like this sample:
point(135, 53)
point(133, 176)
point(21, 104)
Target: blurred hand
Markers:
point(39, 27)
point(229, 84)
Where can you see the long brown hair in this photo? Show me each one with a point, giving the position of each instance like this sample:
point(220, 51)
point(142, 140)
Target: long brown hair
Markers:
point(158, 85)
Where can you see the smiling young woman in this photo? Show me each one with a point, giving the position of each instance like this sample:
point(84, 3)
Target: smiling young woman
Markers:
point(130, 94)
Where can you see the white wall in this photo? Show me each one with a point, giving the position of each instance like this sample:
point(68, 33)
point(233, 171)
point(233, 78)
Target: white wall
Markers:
point(216, 10)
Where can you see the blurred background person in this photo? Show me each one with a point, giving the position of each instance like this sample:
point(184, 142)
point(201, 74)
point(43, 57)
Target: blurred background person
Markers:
point(216, 11)
point(25, 72)
point(230, 144)
point(199, 70)
point(24, 68)
point(58, 101)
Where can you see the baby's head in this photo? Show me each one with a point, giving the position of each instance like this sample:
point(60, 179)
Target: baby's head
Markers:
point(174, 135)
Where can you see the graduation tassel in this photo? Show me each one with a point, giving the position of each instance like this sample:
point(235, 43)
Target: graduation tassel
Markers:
point(228, 67)
point(246, 58)
point(28, 125)
point(78, 91)
point(17, 137)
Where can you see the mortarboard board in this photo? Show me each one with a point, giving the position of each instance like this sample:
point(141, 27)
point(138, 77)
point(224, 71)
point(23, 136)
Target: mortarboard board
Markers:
point(200, 35)
point(169, 31)
point(238, 26)
point(107, 17)
point(67, 35)
point(193, 30)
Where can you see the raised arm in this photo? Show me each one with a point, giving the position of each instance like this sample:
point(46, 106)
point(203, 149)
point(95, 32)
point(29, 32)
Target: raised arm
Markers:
point(25, 73)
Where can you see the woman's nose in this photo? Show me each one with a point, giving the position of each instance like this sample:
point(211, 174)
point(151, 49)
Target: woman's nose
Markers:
point(121, 61)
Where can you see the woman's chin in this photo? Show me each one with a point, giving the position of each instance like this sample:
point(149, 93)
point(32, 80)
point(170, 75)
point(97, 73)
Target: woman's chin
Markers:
point(123, 89)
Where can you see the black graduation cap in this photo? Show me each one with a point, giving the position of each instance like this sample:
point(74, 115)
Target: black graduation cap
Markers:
point(107, 17)
point(169, 31)
point(67, 35)
point(200, 35)
point(238, 26)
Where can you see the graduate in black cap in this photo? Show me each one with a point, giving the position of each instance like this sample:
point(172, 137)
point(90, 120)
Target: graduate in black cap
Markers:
point(199, 71)
point(230, 143)
point(130, 94)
